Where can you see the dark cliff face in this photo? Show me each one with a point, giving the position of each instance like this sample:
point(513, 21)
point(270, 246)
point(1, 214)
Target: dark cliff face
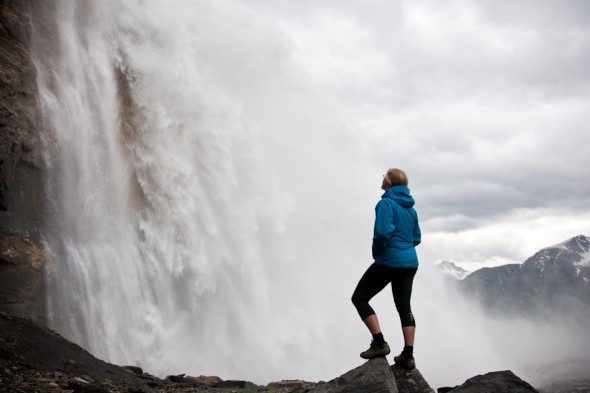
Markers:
point(21, 185)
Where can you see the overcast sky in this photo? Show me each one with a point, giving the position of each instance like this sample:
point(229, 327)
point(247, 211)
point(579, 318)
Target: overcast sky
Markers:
point(485, 104)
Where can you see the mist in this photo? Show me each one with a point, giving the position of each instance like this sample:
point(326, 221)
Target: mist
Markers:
point(213, 194)
point(458, 339)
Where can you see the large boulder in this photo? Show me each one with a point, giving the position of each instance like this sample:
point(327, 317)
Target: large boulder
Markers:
point(494, 382)
point(375, 376)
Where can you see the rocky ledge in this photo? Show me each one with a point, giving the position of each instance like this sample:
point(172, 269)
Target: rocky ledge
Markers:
point(34, 358)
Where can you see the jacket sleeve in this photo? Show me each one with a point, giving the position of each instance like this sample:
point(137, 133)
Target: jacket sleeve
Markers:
point(383, 227)
point(417, 233)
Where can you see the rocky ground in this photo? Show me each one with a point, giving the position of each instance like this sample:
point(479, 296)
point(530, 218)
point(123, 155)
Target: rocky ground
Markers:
point(34, 358)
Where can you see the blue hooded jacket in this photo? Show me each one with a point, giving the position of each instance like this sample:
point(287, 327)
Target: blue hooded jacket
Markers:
point(396, 232)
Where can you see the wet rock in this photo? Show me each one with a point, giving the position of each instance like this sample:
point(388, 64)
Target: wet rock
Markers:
point(493, 382)
point(21, 274)
point(21, 184)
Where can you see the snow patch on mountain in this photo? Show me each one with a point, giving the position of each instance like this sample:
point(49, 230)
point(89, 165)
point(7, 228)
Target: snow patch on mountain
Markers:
point(585, 259)
point(579, 245)
point(452, 270)
point(460, 270)
point(553, 281)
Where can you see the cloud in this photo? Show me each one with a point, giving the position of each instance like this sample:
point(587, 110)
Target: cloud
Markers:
point(510, 239)
point(485, 104)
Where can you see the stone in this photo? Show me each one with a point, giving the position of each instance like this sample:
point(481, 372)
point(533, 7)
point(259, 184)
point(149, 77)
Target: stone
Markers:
point(289, 385)
point(182, 378)
point(234, 384)
point(208, 379)
point(80, 380)
point(410, 381)
point(493, 382)
point(375, 376)
point(133, 370)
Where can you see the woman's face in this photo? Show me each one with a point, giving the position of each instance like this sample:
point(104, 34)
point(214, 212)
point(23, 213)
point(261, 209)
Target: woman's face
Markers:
point(385, 184)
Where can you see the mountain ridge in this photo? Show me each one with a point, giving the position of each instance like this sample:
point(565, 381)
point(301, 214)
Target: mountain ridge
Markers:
point(554, 279)
point(451, 270)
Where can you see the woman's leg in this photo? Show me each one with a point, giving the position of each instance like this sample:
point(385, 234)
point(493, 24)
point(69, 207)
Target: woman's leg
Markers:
point(401, 287)
point(409, 334)
point(370, 284)
point(372, 323)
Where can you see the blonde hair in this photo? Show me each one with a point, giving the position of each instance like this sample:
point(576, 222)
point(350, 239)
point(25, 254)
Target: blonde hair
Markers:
point(396, 177)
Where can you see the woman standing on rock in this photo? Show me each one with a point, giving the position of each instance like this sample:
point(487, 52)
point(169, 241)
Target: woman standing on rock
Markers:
point(396, 234)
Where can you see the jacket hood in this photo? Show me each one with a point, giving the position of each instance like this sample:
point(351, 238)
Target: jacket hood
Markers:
point(401, 195)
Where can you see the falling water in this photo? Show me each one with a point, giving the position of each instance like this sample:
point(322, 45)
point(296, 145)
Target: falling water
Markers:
point(210, 209)
point(196, 180)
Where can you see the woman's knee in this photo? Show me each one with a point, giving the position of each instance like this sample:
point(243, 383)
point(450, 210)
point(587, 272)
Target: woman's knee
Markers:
point(362, 306)
point(358, 300)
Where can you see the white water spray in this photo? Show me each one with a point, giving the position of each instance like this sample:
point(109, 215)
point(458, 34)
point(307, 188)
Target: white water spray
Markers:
point(208, 214)
point(195, 189)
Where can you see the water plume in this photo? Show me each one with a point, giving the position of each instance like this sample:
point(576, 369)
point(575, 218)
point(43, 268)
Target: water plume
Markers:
point(211, 209)
point(193, 174)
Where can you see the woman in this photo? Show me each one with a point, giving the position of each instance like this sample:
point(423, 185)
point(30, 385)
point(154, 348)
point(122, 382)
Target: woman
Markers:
point(396, 234)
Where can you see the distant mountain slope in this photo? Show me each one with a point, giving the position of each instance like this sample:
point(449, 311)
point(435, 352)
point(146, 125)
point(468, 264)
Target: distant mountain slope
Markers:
point(554, 280)
point(450, 270)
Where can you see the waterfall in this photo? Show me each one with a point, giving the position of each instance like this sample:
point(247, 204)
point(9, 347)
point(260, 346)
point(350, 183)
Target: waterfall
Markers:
point(210, 209)
point(203, 194)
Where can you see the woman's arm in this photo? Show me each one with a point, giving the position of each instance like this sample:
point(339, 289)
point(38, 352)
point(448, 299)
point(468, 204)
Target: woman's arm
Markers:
point(383, 227)
point(417, 232)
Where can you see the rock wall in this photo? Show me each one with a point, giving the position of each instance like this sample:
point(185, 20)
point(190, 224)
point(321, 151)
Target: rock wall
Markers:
point(21, 185)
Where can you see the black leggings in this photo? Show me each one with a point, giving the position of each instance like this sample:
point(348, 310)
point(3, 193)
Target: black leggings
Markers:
point(375, 279)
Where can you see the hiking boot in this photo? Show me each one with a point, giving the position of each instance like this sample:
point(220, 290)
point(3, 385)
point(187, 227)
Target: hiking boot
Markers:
point(376, 350)
point(402, 361)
